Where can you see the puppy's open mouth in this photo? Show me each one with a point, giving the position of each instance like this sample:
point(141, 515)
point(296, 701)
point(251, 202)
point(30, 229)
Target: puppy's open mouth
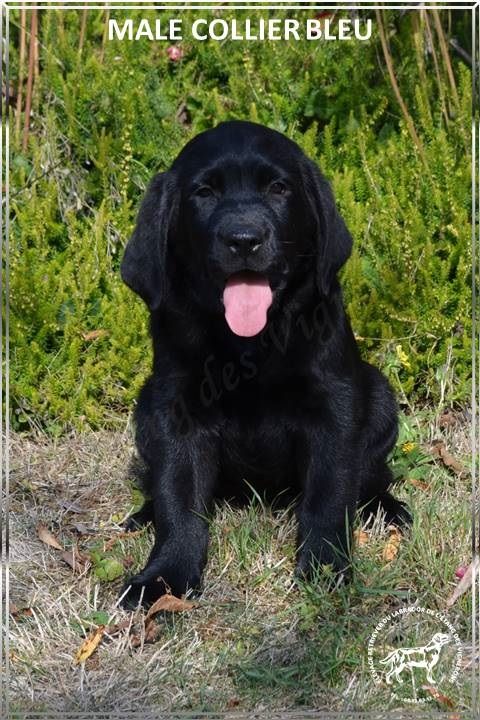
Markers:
point(247, 297)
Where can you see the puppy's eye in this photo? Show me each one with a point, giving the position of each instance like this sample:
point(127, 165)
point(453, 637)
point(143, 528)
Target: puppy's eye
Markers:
point(204, 191)
point(278, 188)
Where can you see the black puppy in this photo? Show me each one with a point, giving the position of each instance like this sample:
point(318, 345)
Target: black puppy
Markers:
point(256, 372)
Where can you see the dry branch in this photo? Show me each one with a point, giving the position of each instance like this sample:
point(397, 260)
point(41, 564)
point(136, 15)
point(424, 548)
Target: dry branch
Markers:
point(83, 29)
point(396, 89)
point(445, 54)
point(30, 79)
point(436, 66)
point(21, 70)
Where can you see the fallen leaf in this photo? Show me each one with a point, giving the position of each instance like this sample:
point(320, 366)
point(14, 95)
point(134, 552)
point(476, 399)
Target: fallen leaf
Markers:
point(361, 537)
point(77, 560)
point(421, 484)
point(439, 449)
point(89, 645)
point(152, 630)
point(390, 551)
point(19, 613)
point(94, 334)
point(117, 627)
point(151, 634)
point(170, 603)
point(438, 696)
point(464, 584)
point(46, 537)
point(447, 419)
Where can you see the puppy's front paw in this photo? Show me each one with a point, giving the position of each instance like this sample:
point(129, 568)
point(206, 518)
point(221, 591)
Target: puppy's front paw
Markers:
point(324, 560)
point(141, 593)
point(145, 588)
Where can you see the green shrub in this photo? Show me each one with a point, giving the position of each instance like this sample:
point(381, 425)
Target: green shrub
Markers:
point(107, 118)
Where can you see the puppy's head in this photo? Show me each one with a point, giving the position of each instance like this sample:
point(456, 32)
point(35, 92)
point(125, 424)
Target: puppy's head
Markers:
point(241, 216)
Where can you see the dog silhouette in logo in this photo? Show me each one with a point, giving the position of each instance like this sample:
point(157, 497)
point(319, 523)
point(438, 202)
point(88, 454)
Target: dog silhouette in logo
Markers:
point(425, 656)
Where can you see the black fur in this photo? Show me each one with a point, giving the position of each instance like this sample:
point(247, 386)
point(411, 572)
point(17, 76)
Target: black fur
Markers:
point(293, 408)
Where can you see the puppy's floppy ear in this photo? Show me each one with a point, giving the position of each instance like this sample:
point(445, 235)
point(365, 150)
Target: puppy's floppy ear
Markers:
point(332, 238)
point(143, 265)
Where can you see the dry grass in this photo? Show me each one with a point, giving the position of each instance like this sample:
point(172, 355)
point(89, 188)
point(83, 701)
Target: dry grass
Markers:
point(255, 641)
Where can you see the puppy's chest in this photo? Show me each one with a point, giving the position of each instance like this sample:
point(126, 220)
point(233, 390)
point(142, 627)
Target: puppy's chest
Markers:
point(246, 392)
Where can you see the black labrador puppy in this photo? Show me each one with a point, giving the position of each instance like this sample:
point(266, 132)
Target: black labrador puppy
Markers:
point(256, 373)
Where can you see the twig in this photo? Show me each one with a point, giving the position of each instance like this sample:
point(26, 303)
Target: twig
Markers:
point(31, 70)
point(104, 38)
point(30, 184)
point(36, 47)
point(436, 66)
point(461, 52)
point(83, 29)
point(46, 49)
point(445, 54)
point(396, 89)
point(417, 21)
point(21, 71)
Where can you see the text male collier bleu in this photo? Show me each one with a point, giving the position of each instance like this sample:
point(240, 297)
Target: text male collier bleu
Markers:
point(245, 29)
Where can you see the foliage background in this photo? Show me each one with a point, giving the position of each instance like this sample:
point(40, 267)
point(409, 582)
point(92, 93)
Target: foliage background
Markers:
point(107, 115)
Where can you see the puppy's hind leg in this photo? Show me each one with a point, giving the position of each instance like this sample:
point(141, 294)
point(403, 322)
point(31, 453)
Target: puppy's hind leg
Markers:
point(395, 511)
point(379, 437)
point(375, 496)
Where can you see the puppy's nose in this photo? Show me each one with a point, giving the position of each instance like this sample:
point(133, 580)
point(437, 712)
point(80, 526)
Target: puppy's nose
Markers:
point(244, 242)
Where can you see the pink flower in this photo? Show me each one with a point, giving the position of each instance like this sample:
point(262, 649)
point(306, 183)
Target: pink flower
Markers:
point(460, 572)
point(175, 53)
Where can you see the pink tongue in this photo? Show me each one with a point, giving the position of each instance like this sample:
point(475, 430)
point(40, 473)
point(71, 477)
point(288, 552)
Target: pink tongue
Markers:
point(247, 298)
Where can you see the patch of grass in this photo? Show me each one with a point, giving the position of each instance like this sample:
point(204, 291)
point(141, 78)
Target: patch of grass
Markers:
point(256, 641)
